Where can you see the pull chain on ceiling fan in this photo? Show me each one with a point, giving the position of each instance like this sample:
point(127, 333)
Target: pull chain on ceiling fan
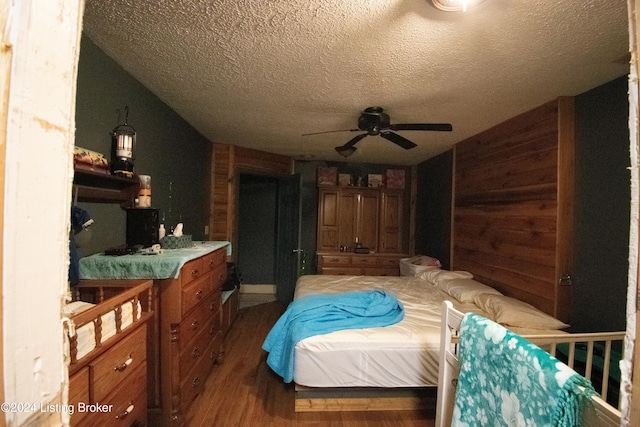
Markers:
point(375, 122)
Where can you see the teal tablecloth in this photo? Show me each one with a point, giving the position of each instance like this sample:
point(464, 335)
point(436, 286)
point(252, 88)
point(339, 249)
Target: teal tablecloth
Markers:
point(136, 266)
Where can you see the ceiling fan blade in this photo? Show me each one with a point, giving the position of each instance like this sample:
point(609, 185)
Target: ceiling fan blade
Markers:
point(397, 139)
point(354, 141)
point(348, 149)
point(331, 131)
point(441, 127)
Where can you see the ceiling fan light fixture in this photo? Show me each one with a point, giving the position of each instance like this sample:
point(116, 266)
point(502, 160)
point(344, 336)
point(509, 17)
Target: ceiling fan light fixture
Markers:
point(346, 151)
point(455, 5)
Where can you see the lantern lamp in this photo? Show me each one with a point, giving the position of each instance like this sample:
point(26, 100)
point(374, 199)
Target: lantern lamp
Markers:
point(123, 141)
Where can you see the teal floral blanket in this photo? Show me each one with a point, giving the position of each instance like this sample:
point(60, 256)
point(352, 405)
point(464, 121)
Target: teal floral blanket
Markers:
point(506, 380)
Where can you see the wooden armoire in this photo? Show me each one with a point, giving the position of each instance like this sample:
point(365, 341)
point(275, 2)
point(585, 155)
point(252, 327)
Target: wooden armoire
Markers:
point(360, 231)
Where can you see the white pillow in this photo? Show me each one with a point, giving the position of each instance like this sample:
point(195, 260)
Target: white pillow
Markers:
point(512, 312)
point(436, 275)
point(465, 290)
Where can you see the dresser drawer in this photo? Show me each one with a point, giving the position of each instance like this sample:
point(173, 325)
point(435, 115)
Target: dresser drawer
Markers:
point(191, 353)
point(193, 383)
point(195, 292)
point(116, 365)
point(127, 405)
point(192, 270)
point(79, 393)
point(215, 259)
point(219, 276)
point(215, 346)
point(197, 319)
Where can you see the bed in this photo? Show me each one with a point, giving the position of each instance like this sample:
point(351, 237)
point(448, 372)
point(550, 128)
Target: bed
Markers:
point(602, 414)
point(394, 367)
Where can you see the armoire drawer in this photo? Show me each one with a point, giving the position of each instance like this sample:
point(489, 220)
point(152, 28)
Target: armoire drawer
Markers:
point(337, 260)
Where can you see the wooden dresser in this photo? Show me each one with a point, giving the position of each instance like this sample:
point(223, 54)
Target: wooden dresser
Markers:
point(185, 337)
point(190, 337)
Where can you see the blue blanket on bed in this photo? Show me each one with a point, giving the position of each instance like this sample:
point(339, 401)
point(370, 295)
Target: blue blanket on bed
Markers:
point(506, 380)
point(321, 314)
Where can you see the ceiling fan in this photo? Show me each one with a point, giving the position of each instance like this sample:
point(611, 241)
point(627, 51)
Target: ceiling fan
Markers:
point(373, 121)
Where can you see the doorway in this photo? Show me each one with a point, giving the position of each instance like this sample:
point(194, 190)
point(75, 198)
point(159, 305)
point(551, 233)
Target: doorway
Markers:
point(257, 231)
point(268, 237)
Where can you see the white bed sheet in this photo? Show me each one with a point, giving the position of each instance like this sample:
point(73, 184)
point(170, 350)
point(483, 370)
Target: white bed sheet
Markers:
point(401, 355)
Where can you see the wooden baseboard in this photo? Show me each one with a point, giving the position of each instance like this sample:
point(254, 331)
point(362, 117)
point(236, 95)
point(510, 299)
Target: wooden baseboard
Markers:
point(309, 399)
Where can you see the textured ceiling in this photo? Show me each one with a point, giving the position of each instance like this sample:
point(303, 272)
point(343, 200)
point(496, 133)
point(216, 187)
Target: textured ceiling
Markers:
point(259, 74)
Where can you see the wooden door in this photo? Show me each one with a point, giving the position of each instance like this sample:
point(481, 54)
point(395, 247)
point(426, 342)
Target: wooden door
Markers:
point(391, 222)
point(288, 237)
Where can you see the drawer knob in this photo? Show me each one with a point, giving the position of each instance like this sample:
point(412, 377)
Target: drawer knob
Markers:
point(195, 324)
point(199, 294)
point(195, 353)
point(124, 365)
point(196, 382)
point(123, 415)
point(195, 272)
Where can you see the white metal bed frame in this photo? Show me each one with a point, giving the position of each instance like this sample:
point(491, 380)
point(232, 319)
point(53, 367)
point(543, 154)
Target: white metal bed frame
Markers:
point(604, 414)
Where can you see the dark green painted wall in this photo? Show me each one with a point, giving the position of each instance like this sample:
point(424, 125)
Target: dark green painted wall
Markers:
point(602, 208)
point(177, 157)
point(433, 207)
point(257, 212)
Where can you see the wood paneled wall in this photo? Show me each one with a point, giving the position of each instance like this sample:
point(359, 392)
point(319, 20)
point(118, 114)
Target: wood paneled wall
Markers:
point(228, 161)
point(513, 202)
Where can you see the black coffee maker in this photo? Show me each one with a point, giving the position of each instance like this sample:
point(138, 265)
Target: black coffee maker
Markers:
point(142, 227)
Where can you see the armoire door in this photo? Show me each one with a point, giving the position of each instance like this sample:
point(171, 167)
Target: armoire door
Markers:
point(367, 219)
point(328, 221)
point(358, 216)
point(391, 222)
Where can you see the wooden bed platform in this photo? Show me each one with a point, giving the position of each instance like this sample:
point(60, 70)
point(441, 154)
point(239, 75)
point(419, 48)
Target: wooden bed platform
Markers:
point(311, 399)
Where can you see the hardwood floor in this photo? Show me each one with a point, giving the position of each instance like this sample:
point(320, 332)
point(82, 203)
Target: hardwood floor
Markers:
point(244, 391)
